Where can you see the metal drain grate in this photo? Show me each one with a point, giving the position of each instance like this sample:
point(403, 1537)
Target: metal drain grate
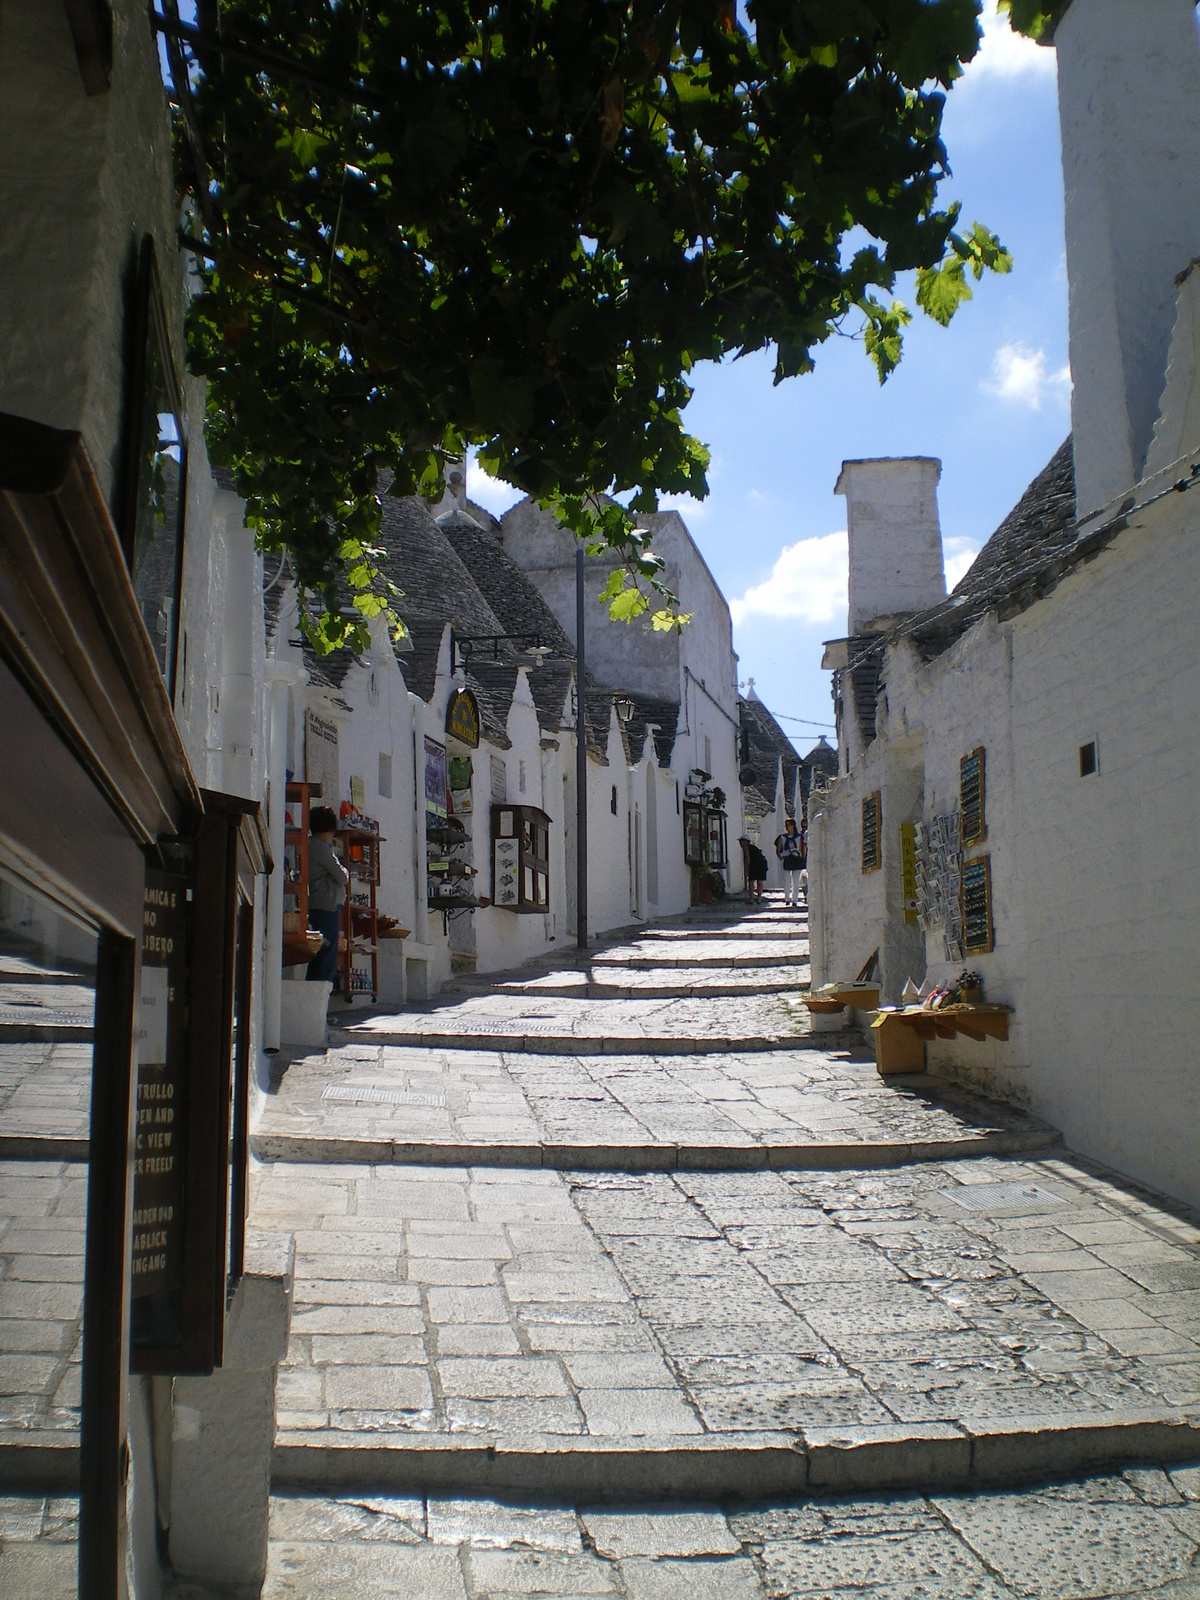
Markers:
point(514, 1029)
point(1003, 1197)
point(386, 1097)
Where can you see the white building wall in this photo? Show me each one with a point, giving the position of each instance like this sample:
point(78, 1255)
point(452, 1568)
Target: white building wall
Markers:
point(1110, 864)
point(1130, 119)
point(66, 266)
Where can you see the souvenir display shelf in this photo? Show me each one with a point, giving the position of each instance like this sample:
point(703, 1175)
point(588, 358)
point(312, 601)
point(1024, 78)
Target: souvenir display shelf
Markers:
point(358, 944)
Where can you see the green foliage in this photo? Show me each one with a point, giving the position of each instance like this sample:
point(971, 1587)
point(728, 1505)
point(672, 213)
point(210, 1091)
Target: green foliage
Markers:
point(1034, 17)
point(942, 289)
point(518, 225)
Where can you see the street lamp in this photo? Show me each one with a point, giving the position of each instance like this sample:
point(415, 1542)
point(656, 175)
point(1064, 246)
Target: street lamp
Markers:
point(580, 764)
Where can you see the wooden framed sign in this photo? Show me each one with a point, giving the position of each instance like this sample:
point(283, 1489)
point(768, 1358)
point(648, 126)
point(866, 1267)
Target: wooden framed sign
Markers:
point(462, 718)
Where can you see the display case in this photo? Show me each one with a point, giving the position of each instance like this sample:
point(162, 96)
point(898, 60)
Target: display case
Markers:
point(357, 843)
point(705, 836)
point(298, 948)
point(520, 858)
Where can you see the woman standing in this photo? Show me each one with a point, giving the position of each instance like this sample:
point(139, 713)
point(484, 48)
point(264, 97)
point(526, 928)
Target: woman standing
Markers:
point(789, 847)
point(327, 880)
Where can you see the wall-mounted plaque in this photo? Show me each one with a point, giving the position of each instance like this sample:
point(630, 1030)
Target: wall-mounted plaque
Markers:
point(977, 906)
point(872, 818)
point(971, 797)
point(161, 1111)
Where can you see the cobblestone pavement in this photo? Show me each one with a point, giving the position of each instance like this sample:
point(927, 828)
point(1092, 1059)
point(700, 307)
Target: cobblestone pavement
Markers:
point(697, 1022)
point(42, 1205)
point(591, 1109)
point(1134, 1536)
point(500, 1305)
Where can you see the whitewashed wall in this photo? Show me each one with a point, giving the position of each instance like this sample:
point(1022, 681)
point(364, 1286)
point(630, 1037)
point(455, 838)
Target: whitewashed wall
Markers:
point(66, 266)
point(1110, 865)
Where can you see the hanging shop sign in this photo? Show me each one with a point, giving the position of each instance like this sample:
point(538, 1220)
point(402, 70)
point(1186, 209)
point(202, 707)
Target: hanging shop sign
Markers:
point(971, 792)
point(462, 717)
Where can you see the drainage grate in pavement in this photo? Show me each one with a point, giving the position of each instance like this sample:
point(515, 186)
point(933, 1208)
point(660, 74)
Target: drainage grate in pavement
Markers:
point(1002, 1197)
point(387, 1097)
point(516, 1027)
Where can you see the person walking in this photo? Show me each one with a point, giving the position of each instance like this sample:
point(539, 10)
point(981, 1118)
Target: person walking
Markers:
point(756, 868)
point(327, 880)
point(789, 847)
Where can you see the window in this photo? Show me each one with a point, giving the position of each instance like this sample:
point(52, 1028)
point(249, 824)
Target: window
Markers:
point(612, 804)
point(707, 753)
point(385, 775)
point(971, 797)
point(521, 776)
point(154, 485)
point(871, 820)
point(1087, 759)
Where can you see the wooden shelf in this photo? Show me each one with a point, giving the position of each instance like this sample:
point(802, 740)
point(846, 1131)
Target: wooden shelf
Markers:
point(900, 1036)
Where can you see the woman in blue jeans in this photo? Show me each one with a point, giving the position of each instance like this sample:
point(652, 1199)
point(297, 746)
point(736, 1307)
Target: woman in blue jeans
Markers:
point(327, 880)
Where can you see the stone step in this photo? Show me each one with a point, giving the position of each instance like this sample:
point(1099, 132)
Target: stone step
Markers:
point(45, 1459)
point(970, 1453)
point(702, 988)
point(42, 1147)
point(797, 1156)
point(760, 930)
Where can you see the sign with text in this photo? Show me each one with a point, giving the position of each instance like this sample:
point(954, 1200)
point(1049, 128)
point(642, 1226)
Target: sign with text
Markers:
point(462, 717)
point(159, 1135)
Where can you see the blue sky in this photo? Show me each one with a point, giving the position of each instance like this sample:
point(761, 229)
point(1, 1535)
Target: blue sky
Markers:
point(990, 396)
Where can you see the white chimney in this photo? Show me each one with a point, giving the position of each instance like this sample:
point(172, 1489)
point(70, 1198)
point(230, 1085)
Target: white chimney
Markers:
point(1129, 109)
point(895, 539)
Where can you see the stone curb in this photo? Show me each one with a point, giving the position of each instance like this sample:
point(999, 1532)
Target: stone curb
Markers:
point(975, 1454)
point(567, 1045)
point(47, 1461)
point(649, 1157)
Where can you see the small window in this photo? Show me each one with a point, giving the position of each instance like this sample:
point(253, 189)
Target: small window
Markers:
point(612, 804)
point(385, 775)
point(1087, 759)
point(871, 819)
point(521, 780)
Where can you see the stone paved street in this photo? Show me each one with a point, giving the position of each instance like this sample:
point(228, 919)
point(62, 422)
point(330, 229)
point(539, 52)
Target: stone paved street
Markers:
point(1135, 1535)
point(756, 1268)
point(670, 1321)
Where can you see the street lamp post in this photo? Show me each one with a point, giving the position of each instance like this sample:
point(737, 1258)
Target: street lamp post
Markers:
point(580, 765)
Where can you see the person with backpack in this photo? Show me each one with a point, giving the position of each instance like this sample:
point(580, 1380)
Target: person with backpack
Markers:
point(789, 847)
point(756, 868)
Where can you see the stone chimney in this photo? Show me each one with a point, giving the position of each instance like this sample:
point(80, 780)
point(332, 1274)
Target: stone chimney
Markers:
point(895, 538)
point(1129, 109)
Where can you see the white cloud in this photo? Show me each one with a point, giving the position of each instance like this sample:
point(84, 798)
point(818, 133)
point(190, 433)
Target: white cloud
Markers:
point(808, 583)
point(688, 507)
point(492, 494)
point(957, 555)
point(1019, 376)
point(1005, 54)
